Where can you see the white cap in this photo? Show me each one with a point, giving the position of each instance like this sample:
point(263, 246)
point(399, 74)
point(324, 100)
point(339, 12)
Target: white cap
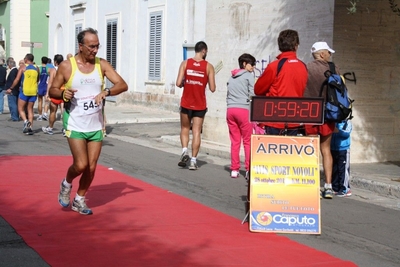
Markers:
point(321, 46)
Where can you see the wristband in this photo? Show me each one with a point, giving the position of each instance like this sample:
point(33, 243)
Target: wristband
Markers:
point(63, 97)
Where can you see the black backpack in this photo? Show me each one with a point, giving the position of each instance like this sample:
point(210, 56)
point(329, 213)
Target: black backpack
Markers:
point(338, 105)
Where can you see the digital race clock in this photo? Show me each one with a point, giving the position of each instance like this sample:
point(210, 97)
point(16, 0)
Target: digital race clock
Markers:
point(305, 110)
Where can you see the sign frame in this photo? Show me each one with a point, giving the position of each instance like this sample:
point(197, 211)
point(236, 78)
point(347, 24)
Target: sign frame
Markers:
point(284, 186)
point(304, 110)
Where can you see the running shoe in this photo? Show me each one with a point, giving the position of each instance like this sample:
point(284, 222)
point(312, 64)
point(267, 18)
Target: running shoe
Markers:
point(45, 117)
point(328, 193)
point(193, 166)
point(27, 124)
point(47, 130)
point(184, 158)
point(29, 132)
point(40, 118)
point(64, 195)
point(344, 193)
point(63, 132)
point(348, 192)
point(81, 207)
point(247, 177)
point(234, 174)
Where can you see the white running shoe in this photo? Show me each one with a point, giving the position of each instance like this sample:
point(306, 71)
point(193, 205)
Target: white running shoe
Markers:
point(81, 207)
point(47, 130)
point(193, 166)
point(234, 174)
point(64, 195)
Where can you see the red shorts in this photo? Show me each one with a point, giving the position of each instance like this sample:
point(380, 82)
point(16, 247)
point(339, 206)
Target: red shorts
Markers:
point(56, 101)
point(324, 130)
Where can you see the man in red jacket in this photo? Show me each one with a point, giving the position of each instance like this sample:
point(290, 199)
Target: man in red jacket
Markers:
point(289, 82)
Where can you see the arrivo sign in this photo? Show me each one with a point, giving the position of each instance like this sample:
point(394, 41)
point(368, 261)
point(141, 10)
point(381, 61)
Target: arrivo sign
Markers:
point(287, 109)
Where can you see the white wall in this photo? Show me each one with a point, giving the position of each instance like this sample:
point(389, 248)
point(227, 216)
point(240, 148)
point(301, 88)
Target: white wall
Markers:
point(20, 21)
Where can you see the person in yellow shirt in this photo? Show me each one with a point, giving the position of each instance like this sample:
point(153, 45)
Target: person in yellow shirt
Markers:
point(29, 76)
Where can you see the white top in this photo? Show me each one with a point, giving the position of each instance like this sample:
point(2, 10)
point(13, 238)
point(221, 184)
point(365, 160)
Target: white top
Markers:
point(83, 115)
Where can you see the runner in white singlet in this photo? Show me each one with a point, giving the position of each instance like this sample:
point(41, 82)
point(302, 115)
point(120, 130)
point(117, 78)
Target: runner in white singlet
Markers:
point(83, 117)
point(83, 113)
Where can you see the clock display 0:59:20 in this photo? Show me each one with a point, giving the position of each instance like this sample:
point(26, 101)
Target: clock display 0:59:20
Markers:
point(285, 109)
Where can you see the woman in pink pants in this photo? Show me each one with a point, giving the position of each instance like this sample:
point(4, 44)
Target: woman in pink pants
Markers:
point(240, 90)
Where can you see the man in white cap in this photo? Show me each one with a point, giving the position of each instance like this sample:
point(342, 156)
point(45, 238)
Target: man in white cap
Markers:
point(316, 69)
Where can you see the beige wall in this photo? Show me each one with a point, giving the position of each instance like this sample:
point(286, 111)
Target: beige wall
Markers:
point(252, 27)
point(368, 43)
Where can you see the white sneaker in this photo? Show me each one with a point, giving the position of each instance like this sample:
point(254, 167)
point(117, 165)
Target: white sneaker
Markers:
point(193, 166)
point(81, 207)
point(234, 174)
point(40, 118)
point(64, 195)
point(47, 130)
point(45, 117)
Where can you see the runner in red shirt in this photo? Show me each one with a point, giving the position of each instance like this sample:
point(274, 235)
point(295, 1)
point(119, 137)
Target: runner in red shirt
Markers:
point(193, 76)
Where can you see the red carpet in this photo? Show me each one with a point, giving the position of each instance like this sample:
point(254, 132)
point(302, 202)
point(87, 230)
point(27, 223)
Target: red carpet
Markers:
point(134, 224)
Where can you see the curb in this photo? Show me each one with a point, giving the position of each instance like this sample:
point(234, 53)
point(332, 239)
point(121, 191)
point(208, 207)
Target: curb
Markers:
point(140, 120)
point(375, 186)
point(223, 151)
point(206, 147)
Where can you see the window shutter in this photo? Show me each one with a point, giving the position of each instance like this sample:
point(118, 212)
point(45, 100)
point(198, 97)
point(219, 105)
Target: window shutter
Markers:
point(155, 46)
point(112, 26)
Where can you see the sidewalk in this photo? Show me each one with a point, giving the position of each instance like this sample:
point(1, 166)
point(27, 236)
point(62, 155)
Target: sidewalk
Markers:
point(382, 178)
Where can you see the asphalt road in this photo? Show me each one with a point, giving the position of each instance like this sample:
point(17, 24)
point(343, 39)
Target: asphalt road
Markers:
point(352, 228)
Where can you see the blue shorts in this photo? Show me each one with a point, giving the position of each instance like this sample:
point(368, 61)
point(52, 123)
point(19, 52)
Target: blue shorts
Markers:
point(27, 98)
point(42, 90)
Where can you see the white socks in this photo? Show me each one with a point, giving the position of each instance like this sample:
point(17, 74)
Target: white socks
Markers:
point(78, 197)
point(328, 186)
point(66, 184)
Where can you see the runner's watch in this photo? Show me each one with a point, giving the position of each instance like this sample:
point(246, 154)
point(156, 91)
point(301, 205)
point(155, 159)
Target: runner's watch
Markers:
point(108, 91)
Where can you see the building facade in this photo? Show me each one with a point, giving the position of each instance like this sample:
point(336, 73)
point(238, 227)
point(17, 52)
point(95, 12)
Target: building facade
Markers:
point(146, 40)
point(24, 28)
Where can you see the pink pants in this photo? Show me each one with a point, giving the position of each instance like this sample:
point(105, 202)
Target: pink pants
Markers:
point(240, 130)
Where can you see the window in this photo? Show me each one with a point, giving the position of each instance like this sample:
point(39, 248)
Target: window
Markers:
point(111, 49)
point(155, 46)
point(78, 29)
point(112, 26)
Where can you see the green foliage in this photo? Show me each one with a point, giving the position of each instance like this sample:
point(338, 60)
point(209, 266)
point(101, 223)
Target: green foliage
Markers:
point(353, 8)
point(394, 8)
